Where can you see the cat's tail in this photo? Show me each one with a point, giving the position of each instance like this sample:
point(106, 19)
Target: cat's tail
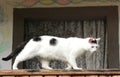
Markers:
point(15, 52)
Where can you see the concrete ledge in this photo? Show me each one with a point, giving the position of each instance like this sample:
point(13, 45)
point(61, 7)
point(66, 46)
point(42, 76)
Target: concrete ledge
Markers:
point(57, 73)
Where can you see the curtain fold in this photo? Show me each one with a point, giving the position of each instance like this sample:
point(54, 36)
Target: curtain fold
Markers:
point(75, 28)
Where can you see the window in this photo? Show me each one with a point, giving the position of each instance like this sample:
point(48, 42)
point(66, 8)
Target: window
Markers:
point(106, 15)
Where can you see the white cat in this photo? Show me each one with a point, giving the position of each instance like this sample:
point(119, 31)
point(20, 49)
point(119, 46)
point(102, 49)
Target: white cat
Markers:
point(51, 47)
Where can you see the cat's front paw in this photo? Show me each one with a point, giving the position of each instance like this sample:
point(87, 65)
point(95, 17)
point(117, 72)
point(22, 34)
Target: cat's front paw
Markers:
point(15, 68)
point(47, 68)
point(68, 68)
point(77, 68)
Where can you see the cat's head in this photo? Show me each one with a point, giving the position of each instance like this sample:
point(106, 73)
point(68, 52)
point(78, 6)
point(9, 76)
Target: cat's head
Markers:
point(93, 44)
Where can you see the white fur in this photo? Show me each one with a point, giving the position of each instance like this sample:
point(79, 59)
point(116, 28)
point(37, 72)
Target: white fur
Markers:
point(66, 49)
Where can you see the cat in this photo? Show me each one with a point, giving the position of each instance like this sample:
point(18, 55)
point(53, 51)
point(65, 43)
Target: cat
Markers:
point(48, 48)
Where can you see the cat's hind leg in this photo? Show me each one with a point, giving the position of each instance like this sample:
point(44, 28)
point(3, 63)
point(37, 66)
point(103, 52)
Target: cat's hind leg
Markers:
point(45, 64)
point(69, 67)
point(16, 62)
point(18, 59)
point(22, 57)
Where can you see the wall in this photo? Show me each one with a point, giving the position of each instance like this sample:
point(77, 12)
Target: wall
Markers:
point(6, 17)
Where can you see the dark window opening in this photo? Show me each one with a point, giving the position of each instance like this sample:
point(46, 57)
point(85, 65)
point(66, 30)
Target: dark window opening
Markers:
point(70, 21)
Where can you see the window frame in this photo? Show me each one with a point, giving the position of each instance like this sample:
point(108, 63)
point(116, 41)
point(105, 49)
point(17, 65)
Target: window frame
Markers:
point(110, 13)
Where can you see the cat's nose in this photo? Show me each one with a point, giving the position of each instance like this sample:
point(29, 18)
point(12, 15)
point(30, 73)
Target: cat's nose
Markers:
point(97, 46)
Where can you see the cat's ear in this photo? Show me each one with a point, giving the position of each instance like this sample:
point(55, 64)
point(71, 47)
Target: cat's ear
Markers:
point(98, 39)
point(90, 40)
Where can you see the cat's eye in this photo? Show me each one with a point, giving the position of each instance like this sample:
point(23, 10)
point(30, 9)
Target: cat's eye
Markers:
point(97, 46)
point(94, 46)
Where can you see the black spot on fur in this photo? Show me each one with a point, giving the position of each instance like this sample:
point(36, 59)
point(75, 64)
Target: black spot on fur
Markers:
point(53, 41)
point(36, 38)
point(94, 41)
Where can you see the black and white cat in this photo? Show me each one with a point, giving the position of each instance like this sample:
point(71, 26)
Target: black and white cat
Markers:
point(51, 47)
